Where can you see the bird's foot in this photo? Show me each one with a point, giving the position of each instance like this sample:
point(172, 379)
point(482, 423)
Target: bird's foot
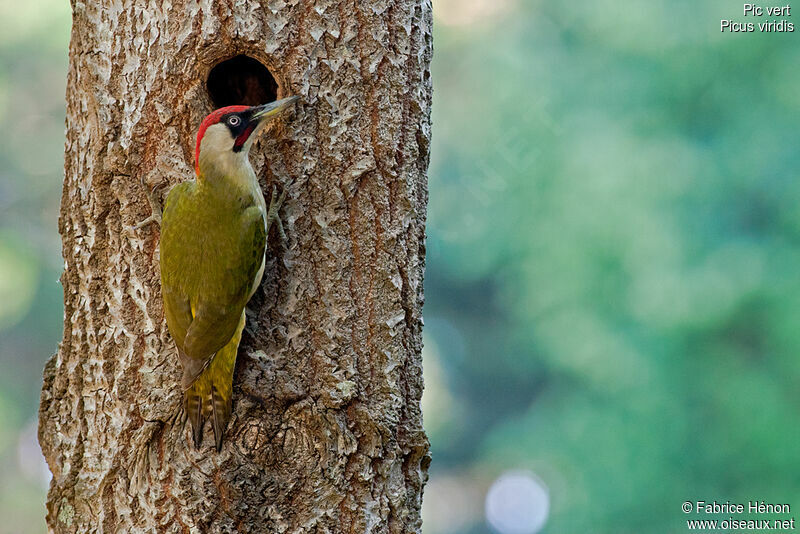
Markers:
point(274, 217)
point(155, 207)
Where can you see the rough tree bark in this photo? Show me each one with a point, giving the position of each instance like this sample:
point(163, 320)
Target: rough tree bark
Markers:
point(326, 434)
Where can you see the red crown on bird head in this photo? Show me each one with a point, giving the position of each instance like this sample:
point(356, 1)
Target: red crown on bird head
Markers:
point(211, 118)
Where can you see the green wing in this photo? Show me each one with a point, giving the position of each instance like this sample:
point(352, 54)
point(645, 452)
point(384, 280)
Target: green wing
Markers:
point(224, 292)
point(174, 291)
point(210, 256)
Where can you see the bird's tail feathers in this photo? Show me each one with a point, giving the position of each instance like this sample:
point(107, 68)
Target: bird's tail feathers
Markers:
point(209, 397)
point(208, 389)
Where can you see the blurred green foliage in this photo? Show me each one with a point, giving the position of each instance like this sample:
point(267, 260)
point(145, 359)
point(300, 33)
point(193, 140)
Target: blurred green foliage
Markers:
point(611, 293)
point(612, 288)
point(33, 64)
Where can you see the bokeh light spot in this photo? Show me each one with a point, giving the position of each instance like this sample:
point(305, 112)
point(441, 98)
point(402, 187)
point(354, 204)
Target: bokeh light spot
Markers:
point(517, 503)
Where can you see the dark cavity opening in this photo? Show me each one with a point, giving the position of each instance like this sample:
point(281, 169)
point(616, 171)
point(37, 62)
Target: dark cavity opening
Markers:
point(241, 80)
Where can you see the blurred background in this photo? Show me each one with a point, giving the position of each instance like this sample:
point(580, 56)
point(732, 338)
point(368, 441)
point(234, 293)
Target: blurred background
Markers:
point(612, 316)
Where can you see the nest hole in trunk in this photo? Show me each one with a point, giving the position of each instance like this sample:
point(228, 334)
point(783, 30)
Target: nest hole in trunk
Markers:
point(241, 80)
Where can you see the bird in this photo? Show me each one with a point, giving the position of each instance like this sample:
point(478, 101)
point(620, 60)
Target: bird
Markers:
point(213, 247)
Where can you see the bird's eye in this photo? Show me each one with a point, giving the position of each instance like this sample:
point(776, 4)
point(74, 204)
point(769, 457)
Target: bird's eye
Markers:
point(234, 120)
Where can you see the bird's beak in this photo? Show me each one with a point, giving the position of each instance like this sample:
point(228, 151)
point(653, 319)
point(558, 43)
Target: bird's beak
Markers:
point(273, 108)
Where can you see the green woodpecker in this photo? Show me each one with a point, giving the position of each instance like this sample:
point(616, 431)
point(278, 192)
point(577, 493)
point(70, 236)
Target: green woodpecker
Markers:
point(213, 245)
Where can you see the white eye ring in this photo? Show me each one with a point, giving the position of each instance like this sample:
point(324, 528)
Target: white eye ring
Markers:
point(234, 120)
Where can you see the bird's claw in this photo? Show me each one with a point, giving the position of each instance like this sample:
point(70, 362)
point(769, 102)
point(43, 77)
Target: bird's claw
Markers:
point(155, 207)
point(273, 216)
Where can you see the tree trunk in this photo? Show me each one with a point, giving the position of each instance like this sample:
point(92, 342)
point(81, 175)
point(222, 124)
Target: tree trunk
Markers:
point(326, 433)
